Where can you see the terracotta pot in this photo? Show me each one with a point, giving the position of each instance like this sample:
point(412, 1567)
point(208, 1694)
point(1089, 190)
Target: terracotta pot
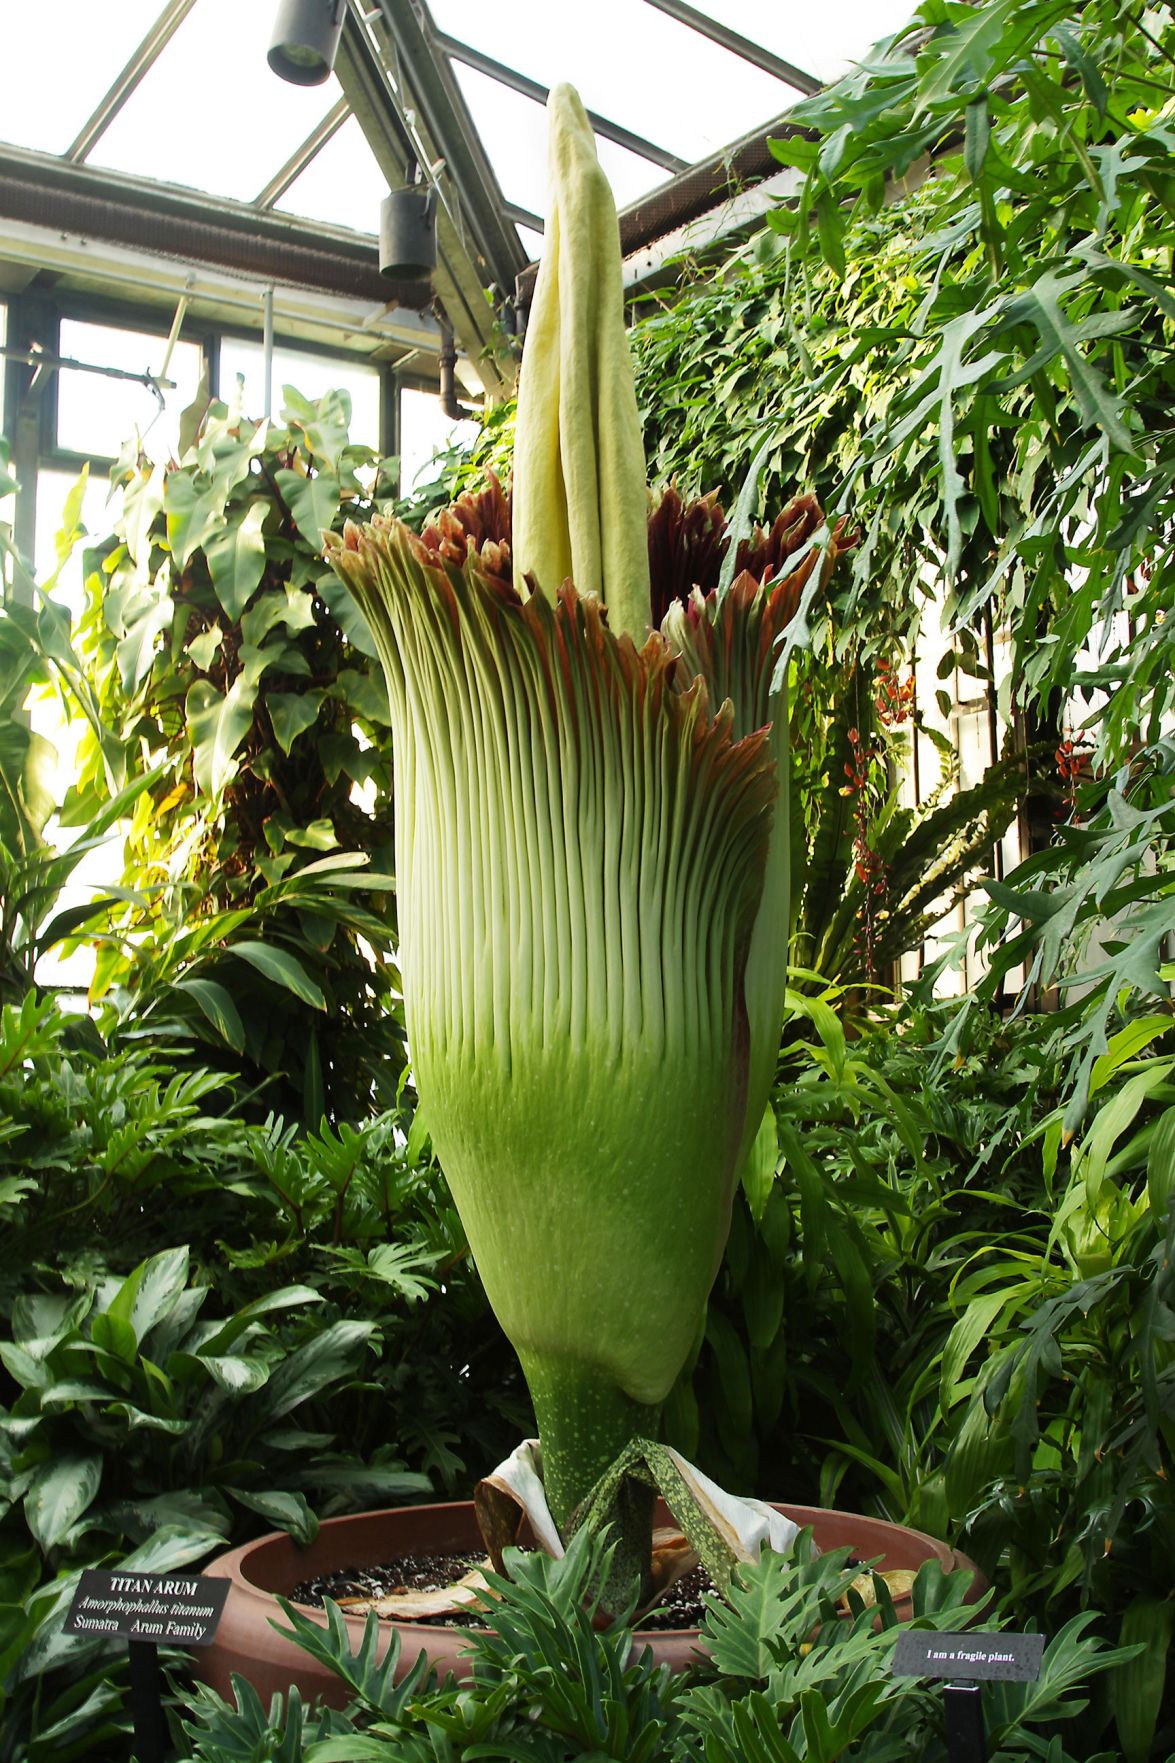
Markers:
point(245, 1642)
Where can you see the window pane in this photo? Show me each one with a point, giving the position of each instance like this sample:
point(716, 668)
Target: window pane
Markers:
point(822, 40)
point(101, 867)
point(59, 63)
point(311, 375)
point(210, 114)
point(97, 415)
point(513, 130)
point(629, 63)
point(342, 185)
point(425, 431)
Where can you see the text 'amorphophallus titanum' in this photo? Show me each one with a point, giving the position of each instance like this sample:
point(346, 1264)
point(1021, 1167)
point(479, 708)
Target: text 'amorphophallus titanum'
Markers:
point(591, 853)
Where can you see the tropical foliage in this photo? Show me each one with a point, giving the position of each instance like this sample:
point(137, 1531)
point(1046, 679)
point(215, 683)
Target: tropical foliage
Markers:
point(947, 1293)
point(801, 1669)
point(230, 669)
point(305, 1336)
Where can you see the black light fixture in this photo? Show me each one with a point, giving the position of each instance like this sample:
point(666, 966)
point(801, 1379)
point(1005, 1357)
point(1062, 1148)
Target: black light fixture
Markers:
point(305, 39)
point(408, 230)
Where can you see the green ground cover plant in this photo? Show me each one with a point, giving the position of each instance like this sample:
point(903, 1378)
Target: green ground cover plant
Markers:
point(800, 1671)
point(208, 1327)
point(941, 1310)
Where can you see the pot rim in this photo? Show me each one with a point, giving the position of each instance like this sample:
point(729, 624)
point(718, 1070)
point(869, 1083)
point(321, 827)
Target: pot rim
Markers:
point(234, 1564)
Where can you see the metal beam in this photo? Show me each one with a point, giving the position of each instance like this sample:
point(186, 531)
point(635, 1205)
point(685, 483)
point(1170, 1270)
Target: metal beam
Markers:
point(520, 82)
point(300, 158)
point(438, 101)
point(140, 63)
point(463, 268)
point(739, 45)
point(46, 191)
point(524, 217)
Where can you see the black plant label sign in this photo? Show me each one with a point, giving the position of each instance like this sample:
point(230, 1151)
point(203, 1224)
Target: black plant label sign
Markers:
point(1013, 1657)
point(179, 1610)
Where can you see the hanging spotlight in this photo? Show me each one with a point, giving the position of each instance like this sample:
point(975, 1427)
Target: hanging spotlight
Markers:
point(408, 231)
point(305, 39)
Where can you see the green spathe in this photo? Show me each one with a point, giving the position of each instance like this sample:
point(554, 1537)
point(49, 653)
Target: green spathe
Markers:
point(580, 857)
point(579, 462)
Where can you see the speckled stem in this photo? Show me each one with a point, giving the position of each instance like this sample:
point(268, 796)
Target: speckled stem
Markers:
point(585, 1421)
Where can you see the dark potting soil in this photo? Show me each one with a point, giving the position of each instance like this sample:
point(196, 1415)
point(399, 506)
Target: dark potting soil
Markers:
point(681, 1607)
point(406, 1573)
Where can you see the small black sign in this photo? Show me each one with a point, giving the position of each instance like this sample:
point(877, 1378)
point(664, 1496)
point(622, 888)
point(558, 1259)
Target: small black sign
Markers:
point(182, 1610)
point(921, 1653)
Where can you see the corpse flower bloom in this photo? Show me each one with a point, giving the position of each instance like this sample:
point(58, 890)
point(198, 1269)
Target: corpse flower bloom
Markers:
point(591, 855)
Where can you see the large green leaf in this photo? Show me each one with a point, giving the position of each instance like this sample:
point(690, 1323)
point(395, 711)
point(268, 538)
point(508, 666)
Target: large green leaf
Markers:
point(329, 1358)
point(313, 502)
point(324, 424)
point(28, 766)
point(291, 714)
point(281, 967)
point(152, 1291)
point(288, 1511)
point(217, 1005)
point(193, 512)
point(236, 559)
point(62, 1490)
point(217, 724)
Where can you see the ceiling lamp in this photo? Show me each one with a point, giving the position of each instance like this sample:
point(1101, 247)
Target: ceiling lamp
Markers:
point(305, 39)
point(408, 232)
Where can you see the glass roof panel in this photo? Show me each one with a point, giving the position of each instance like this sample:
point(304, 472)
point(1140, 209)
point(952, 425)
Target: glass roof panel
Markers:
point(342, 185)
point(822, 40)
point(90, 47)
point(210, 114)
point(629, 63)
point(513, 131)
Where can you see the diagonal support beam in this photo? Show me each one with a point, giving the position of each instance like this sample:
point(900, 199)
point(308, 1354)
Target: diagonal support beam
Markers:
point(739, 45)
point(300, 158)
point(437, 99)
point(140, 64)
point(464, 269)
point(520, 82)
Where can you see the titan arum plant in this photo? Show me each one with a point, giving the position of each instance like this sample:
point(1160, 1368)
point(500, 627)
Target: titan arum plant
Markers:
point(592, 853)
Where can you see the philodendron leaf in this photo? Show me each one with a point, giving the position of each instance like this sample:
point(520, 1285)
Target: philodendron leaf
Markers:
point(236, 559)
point(291, 714)
point(193, 511)
point(28, 794)
point(62, 1490)
point(203, 648)
point(313, 502)
point(217, 724)
point(292, 607)
point(324, 425)
point(152, 615)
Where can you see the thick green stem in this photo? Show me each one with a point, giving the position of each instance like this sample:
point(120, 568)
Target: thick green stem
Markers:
point(585, 1421)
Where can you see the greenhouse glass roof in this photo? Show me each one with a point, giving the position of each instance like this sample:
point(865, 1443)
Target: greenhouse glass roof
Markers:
point(180, 93)
point(157, 124)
